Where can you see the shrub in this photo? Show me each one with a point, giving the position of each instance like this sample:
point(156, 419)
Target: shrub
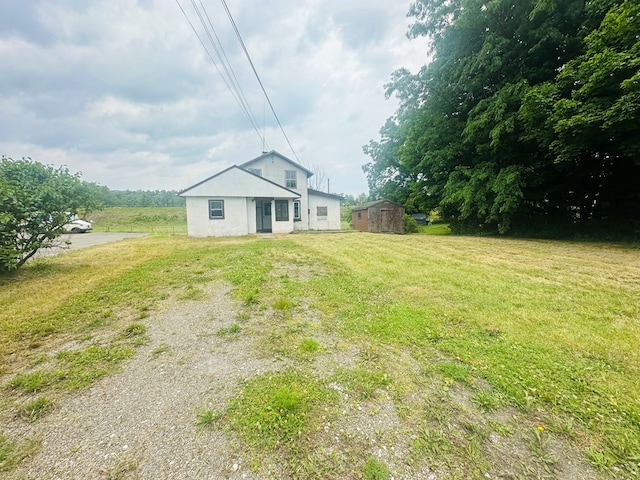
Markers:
point(410, 225)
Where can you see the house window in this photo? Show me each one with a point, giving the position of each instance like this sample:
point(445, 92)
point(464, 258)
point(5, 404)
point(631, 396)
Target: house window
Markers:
point(359, 215)
point(321, 211)
point(216, 209)
point(290, 179)
point(296, 210)
point(282, 210)
point(255, 171)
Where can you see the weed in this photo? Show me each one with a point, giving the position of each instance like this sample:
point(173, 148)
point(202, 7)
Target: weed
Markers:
point(539, 446)
point(454, 371)
point(431, 445)
point(8, 454)
point(35, 409)
point(251, 297)
point(134, 330)
point(159, 350)
point(191, 292)
point(308, 346)
point(282, 304)
point(489, 402)
point(206, 419)
point(374, 469)
point(362, 382)
point(122, 469)
point(230, 332)
point(12, 453)
point(81, 368)
point(275, 409)
point(31, 382)
point(501, 428)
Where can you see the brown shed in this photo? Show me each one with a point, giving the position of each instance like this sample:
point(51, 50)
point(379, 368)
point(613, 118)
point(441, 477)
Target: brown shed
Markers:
point(380, 216)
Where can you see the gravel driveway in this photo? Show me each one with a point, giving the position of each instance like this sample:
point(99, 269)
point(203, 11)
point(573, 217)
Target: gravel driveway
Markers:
point(84, 240)
point(141, 423)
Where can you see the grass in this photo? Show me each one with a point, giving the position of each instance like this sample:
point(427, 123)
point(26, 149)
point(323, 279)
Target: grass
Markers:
point(374, 469)
point(35, 409)
point(206, 418)
point(166, 220)
point(546, 330)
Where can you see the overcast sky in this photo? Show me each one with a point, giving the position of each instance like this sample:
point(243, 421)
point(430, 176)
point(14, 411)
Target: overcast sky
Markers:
point(123, 92)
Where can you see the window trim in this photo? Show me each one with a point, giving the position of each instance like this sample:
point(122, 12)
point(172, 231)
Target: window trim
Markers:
point(279, 217)
point(297, 211)
point(216, 217)
point(290, 179)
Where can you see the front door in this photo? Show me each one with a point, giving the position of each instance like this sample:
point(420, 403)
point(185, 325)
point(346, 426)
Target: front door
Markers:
point(263, 215)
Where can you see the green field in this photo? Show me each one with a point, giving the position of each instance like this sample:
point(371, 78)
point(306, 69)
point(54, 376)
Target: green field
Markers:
point(169, 220)
point(474, 342)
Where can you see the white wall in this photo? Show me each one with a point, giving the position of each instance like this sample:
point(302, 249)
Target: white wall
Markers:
point(273, 168)
point(235, 220)
point(332, 220)
point(285, 226)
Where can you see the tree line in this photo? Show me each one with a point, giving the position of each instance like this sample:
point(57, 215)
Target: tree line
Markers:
point(139, 198)
point(526, 120)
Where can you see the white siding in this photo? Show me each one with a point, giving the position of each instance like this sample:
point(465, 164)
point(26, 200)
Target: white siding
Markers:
point(282, 226)
point(235, 220)
point(332, 220)
point(273, 168)
point(235, 182)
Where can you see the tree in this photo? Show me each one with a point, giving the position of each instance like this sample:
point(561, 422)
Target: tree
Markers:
point(522, 115)
point(590, 117)
point(36, 201)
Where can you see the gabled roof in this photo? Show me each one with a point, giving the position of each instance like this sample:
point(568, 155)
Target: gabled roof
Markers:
point(225, 184)
point(277, 154)
point(323, 194)
point(368, 205)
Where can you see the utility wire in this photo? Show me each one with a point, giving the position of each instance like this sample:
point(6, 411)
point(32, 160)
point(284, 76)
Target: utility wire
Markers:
point(231, 89)
point(226, 64)
point(232, 77)
point(233, 23)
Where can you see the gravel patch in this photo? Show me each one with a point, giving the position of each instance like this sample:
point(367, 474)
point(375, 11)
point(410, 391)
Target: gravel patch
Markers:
point(141, 423)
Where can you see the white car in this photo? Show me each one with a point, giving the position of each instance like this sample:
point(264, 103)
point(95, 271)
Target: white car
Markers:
point(77, 225)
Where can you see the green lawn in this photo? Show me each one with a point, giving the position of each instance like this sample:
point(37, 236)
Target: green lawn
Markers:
point(538, 338)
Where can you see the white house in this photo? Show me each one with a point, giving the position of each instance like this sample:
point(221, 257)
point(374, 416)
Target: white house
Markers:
point(268, 194)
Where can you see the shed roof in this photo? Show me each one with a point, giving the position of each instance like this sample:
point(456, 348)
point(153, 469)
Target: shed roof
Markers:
point(323, 194)
point(368, 205)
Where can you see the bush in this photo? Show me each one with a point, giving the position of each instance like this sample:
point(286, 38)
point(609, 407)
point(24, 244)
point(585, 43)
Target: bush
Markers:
point(410, 225)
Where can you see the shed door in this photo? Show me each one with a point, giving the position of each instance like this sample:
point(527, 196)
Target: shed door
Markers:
point(386, 220)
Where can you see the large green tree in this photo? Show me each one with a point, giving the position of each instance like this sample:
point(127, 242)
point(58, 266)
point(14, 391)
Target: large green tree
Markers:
point(36, 200)
point(479, 131)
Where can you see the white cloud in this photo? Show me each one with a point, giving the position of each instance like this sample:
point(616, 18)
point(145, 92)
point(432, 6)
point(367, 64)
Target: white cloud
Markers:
point(123, 91)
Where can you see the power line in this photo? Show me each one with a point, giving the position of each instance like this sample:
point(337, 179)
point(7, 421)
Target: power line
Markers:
point(226, 64)
point(233, 23)
point(237, 93)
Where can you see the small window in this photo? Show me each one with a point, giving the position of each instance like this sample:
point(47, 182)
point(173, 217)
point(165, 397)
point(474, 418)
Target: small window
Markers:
point(359, 215)
point(255, 171)
point(282, 210)
point(296, 210)
point(290, 179)
point(321, 211)
point(216, 209)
